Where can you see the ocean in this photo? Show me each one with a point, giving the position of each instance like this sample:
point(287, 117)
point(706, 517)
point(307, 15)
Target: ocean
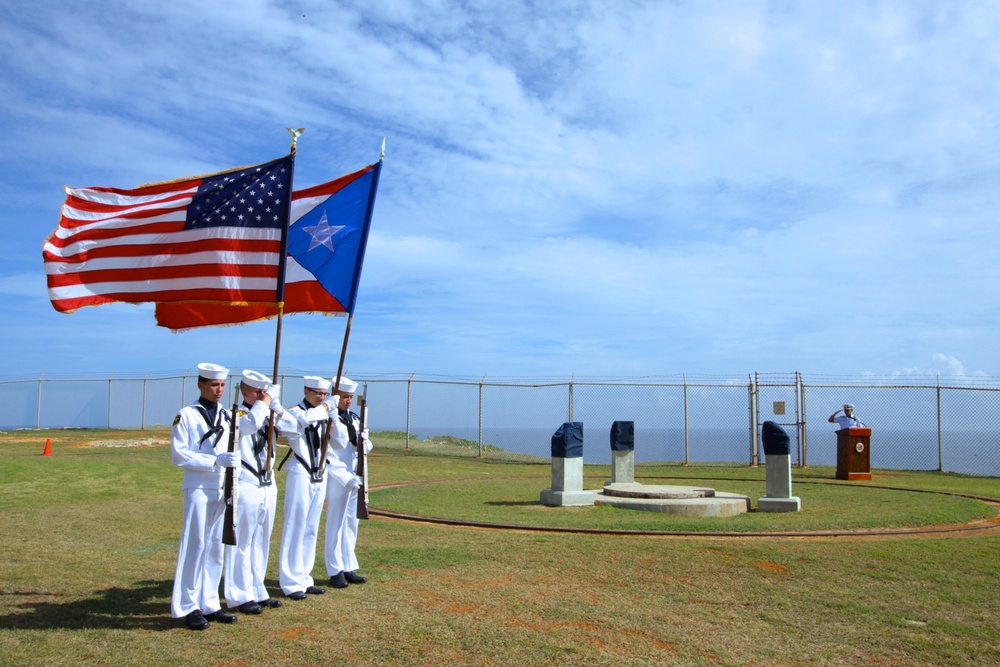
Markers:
point(969, 452)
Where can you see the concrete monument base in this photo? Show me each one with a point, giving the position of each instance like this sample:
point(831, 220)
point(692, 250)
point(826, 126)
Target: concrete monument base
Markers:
point(567, 498)
point(792, 504)
point(623, 467)
point(567, 484)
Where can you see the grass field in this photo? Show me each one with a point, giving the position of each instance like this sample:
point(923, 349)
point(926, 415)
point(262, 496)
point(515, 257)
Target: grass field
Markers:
point(90, 545)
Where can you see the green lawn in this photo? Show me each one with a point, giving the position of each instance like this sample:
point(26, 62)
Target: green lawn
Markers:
point(90, 539)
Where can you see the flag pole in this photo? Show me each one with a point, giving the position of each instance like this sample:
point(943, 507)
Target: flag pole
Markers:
point(279, 299)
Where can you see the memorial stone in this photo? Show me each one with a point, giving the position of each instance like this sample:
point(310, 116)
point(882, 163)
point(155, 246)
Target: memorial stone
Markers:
point(567, 469)
point(622, 452)
point(777, 450)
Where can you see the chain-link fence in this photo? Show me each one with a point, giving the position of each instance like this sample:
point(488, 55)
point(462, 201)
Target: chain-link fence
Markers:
point(922, 423)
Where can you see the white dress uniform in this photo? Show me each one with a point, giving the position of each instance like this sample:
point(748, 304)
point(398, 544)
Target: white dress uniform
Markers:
point(246, 563)
point(843, 421)
point(303, 496)
point(342, 499)
point(194, 445)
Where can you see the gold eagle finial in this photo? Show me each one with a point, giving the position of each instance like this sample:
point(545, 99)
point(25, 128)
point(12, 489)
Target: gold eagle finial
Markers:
point(295, 136)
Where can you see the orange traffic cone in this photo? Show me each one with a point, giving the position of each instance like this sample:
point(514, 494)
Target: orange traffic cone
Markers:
point(48, 447)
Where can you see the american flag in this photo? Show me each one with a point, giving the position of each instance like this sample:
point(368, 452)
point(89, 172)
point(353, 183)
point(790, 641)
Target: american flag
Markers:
point(213, 238)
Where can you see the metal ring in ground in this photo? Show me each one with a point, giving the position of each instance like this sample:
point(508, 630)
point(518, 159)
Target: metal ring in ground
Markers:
point(992, 524)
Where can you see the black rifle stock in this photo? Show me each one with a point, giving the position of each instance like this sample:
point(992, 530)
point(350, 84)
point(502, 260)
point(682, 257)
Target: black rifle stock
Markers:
point(363, 462)
point(229, 522)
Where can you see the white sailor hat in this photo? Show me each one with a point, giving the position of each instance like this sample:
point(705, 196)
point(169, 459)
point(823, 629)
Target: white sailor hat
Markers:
point(256, 380)
point(213, 371)
point(346, 386)
point(848, 406)
point(315, 382)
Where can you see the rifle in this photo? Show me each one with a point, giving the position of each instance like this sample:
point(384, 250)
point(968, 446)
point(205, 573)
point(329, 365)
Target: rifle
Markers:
point(321, 466)
point(231, 488)
point(266, 479)
point(363, 463)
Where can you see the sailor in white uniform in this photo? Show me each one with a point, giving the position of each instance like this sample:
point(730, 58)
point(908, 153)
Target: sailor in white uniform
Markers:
point(198, 444)
point(246, 562)
point(305, 485)
point(342, 488)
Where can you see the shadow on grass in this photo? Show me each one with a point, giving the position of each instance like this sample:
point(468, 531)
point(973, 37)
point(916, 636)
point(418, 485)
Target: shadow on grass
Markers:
point(140, 607)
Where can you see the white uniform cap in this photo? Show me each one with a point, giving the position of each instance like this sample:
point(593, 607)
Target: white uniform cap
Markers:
point(346, 386)
point(848, 406)
point(213, 371)
point(256, 380)
point(316, 382)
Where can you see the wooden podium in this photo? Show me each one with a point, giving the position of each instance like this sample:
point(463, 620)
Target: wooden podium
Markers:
point(853, 454)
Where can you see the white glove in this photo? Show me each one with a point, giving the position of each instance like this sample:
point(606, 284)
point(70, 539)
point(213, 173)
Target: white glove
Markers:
point(332, 403)
point(274, 391)
point(355, 483)
point(367, 441)
point(227, 460)
point(276, 406)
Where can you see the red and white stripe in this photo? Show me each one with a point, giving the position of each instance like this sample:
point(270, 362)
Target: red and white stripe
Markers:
point(131, 245)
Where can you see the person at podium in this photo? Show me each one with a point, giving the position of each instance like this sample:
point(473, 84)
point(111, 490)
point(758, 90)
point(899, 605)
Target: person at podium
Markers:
point(846, 420)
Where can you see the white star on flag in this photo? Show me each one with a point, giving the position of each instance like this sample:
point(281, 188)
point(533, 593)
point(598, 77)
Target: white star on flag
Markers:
point(322, 233)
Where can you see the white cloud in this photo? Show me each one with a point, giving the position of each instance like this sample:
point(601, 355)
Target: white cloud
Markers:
point(641, 187)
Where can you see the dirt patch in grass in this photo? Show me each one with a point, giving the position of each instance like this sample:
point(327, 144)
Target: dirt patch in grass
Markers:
point(141, 442)
point(771, 567)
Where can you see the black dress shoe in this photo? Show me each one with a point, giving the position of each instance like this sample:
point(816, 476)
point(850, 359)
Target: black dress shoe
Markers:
point(221, 617)
point(195, 621)
point(270, 602)
point(312, 590)
point(354, 578)
point(250, 608)
point(297, 595)
point(338, 580)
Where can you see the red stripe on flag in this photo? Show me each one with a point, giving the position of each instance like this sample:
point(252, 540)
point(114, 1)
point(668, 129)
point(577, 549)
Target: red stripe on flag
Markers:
point(300, 297)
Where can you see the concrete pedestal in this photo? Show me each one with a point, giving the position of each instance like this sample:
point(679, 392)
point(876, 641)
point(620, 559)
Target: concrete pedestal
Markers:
point(779, 505)
point(567, 484)
point(779, 496)
point(622, 467)
point(567, 498)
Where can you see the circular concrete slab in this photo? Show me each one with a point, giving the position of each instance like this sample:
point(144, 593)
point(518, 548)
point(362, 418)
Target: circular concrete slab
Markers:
point(684, 501)
point(656, 491)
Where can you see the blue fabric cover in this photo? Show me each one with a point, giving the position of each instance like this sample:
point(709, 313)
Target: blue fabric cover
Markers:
point(775, 439)
point(622, 436)
point(567, 442)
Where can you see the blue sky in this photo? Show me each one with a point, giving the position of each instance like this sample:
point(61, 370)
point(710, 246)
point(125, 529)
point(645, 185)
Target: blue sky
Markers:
point(597, 188)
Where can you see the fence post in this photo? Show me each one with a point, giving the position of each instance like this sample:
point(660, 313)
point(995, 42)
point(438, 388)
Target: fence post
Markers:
point(409, 384)
point(940, 443)
point(571, 397)
point(109, 398)
point(805, 437)
point(38, 406)
point(142, 419)
point(481, 416)
point(687, 441)
point(752, 400)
